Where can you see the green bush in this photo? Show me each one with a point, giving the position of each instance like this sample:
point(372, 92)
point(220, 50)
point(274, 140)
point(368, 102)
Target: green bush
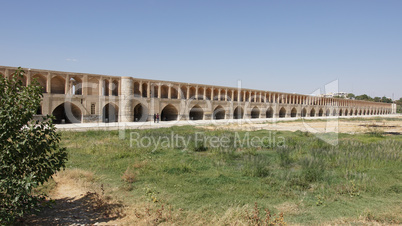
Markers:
point(29, 150)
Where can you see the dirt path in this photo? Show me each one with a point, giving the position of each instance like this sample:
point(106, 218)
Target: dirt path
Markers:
point(322, 126)
point(74, 205)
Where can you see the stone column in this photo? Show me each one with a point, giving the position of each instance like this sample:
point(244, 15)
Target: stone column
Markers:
point(67, 84)
point(48, 83)
point(188, 92)
point(159, 90)
point(169, 91)
point(126, 113)
point(179, 92)
point(85, 85)
point(148, 89)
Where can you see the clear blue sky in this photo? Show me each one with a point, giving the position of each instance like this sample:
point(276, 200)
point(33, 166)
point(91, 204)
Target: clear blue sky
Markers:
point(289, 46)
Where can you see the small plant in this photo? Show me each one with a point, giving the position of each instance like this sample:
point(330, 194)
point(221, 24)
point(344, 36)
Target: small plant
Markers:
point(254, 217)
point(353, 190)
point(319, 201)
point(129, 176)
point(200, 147)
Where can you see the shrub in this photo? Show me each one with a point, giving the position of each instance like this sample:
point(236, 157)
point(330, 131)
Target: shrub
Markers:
point(29, 150)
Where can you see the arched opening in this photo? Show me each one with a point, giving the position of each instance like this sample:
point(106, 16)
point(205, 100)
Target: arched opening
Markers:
point(39, 110)
point(247, 96)
point(183, 90)
point(219, 113)
point(229, 95)
point(192, 93)
point(144, 89)
point(66, 113)
point(253, 97)
point(304, 112)
point(105, 87)
point(334, 112)
point(293, 113)
point(200, 93)
point(269, 113)
point(356, 112)
point(140, 113)
point(320, 112)
point(42, 81)
point(235, 96)
point(255, 112)
point(346, 112)
point(173, 93)
point(93, 86)
point(164, 91)
point(169, 113)
point(216, 94)
point(76, 86)
point(312, 112)
point(58, 85)
point(328, 112)
point(238, 113)
point(115, 88)
point(110, 113)
point(137, 92)
point(155, 91)
point(282, 113)
point(208, 93)
point(340, 112)
point(196, 113)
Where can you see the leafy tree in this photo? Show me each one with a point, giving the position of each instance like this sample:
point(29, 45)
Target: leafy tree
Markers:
point(364, 97)
point(386, 100)
point(377, 99)
point(29, 150)
point(351, 96)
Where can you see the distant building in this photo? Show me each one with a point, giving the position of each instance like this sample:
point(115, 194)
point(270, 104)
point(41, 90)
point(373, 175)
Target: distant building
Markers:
point(337, 94)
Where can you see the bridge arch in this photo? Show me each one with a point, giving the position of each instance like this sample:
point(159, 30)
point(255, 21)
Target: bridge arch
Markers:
point(312, 112)
point(140, 113)
point(255, 112)
point(282, 113)
point(110, 113)
point(169, 113)
point(269, 113)
point(293, 113)
point(219, 113)
point(67, 112)
point(238, 113)
point(196, 113)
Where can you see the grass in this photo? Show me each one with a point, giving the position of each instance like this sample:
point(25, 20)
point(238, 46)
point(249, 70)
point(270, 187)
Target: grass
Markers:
point(306, 179)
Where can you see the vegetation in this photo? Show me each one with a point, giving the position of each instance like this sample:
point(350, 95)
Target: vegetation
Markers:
point(29, 150)
point(368, 98)
point(399, 105)
point(302, 180)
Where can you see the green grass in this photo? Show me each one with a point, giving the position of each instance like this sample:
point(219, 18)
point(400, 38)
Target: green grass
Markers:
point(360, 177)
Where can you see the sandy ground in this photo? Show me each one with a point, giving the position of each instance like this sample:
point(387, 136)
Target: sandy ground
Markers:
point(322, 126)
point(75, 204)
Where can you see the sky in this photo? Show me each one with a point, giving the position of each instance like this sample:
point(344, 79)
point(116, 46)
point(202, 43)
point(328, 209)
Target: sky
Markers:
point(286, 46)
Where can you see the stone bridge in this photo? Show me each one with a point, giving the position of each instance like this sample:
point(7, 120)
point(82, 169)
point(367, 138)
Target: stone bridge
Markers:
point(80, 97)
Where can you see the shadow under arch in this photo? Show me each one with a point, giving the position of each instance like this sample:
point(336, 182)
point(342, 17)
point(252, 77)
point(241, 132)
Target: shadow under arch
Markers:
point(219, 113)
point(169, 113)
point(110, 113)
point(67, 112)
point(140, 113)
point(238, 113)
